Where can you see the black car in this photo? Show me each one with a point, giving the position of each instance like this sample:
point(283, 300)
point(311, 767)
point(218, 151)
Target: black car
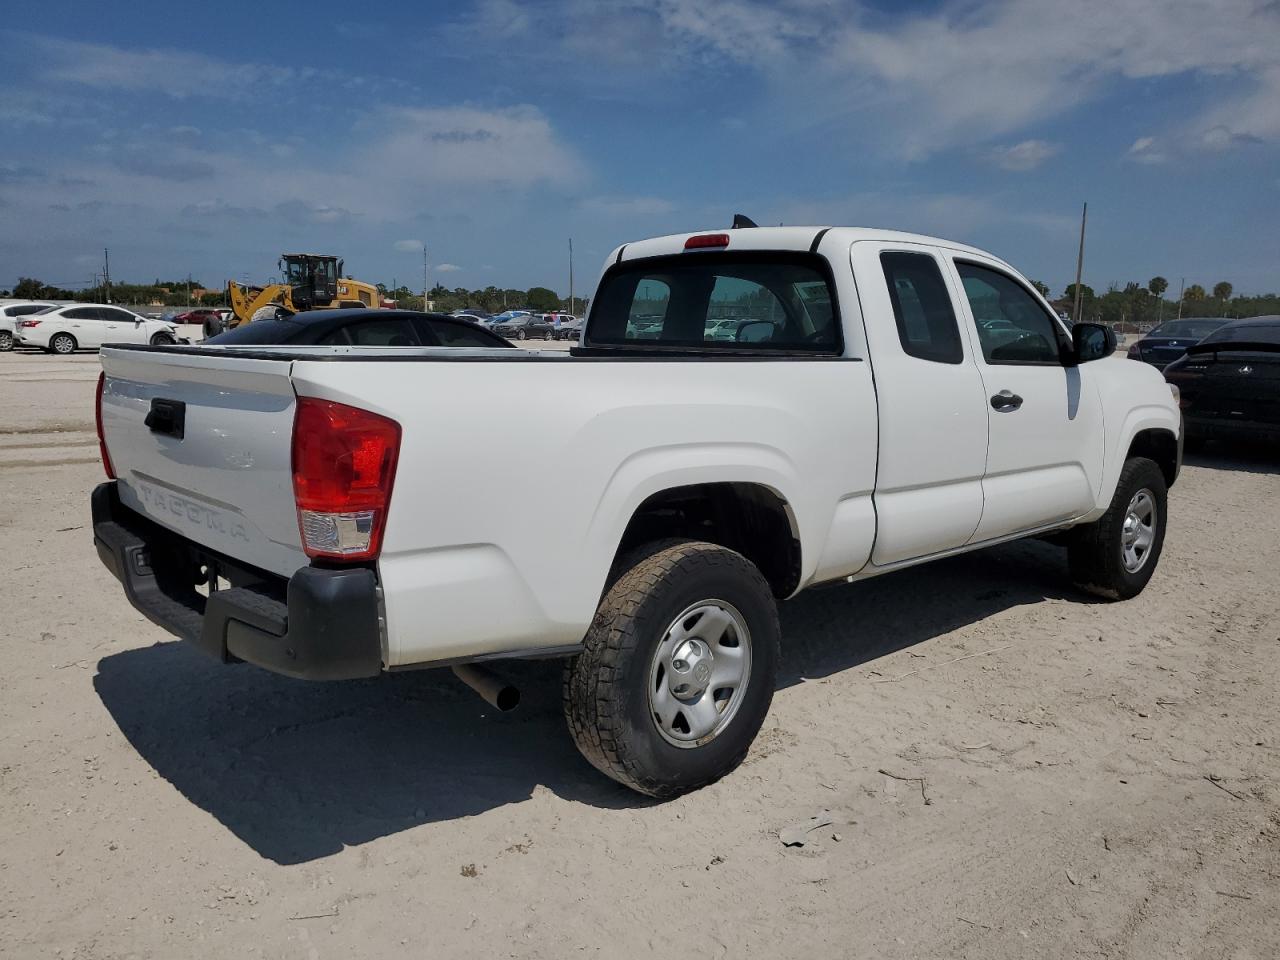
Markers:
point(1170, 340)
point(526, 326)
point(1230, 382)
point(363, 328)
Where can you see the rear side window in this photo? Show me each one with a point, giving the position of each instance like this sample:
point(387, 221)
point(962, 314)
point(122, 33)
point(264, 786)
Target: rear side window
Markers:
point(1247, 333)
point(1012, 326)
point(922, 308)
point(82, 313)
point(718, 301)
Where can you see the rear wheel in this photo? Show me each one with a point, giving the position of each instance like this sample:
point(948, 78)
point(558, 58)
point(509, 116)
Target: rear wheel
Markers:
point(1116, 556)
point(63, 343)
point(213, 326)
point(548, 335)
point(678, 669)
point(6, 341)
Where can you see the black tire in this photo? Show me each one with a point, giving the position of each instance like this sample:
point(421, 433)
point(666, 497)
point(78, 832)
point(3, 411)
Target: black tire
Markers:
point(522, 335)
point(549, 335)
point(1096, 550)
point(6, 341)
point(213, 327)
point(606, 700)
point(62, 343)
point(161, 339)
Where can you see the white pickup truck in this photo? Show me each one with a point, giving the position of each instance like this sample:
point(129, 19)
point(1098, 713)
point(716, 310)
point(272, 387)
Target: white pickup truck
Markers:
point(747, 414)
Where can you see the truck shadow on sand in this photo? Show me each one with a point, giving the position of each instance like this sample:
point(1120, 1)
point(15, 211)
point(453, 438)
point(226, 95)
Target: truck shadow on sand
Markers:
point(298, 771)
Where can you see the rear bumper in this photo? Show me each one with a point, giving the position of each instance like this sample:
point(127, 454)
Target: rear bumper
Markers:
point(317, 625)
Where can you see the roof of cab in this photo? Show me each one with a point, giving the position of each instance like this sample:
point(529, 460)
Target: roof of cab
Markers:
point(785, 238)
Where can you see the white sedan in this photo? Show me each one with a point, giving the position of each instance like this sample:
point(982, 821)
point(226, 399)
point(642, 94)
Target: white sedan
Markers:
point(87, 326)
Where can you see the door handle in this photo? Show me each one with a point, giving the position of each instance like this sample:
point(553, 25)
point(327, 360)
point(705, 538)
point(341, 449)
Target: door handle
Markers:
point(1006, 400)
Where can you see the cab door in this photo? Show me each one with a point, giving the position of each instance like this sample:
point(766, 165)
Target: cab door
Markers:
point(931, 403)
point(1044, 453)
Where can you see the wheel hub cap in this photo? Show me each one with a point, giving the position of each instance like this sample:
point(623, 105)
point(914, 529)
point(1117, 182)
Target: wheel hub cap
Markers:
point(699, 673)
point(1139, 532)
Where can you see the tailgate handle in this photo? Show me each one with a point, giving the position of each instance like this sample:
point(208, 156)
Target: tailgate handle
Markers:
point(168, 417)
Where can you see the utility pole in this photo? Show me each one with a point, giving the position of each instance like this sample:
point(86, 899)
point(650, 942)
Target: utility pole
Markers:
point(424, 278)
point(1182, 286)
point(1080, 264)
point(188, 291)
point(572, 312)
point(106, 273)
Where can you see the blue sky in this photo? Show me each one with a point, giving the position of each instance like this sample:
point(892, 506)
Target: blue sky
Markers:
point(210, 139)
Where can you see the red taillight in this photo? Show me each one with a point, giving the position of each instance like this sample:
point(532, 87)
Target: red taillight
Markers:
point(704, 240)
point(97, 418)
point(344, 462)
point(28, 323)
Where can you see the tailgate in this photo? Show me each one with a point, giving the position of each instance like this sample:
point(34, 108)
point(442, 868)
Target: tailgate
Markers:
point(214, 464)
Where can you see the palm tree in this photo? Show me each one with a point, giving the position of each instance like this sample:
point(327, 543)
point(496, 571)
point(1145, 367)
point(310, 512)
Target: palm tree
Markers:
point(1222, 292)
point(1158, 285)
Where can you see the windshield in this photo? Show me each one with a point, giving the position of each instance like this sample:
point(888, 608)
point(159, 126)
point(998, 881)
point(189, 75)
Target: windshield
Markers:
point(1199, 329)
point(749, 301)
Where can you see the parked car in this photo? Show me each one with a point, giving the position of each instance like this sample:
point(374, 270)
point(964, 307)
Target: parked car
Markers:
point(471, 313)
point(570, 328)
point(1170, 340)
point(524, 326)
point(358, 504)
point(1230, 381)
point(364, 327)
point(9, 315)
point(87, 326)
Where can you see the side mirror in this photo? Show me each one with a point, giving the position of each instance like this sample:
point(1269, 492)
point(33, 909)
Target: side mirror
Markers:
point(137, 321)
point(755, 331)
point(1092, 341)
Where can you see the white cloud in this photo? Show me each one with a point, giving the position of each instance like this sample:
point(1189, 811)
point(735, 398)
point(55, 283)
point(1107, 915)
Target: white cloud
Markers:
point(1027, 155)
point(447, 268)
point(1146, 150)
point(513, 146)
point(407, 246)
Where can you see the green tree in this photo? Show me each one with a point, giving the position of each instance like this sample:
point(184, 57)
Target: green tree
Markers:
point(29, 288)
point(1194, 293)
point(541, 298)
point(1042, 287)
point(1222, 293)
point(1157, 286)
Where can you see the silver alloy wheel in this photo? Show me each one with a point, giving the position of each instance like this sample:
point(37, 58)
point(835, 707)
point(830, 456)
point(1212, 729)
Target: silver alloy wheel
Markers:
point(63, 344)
point(699, 673)
point(1139, 531)
point(6, 340)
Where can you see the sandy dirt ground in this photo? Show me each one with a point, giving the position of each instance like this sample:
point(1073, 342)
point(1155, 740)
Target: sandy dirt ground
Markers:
point(1011, 769)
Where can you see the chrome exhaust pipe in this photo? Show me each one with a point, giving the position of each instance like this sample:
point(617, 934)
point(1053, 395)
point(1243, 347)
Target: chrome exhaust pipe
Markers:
point(498, 693)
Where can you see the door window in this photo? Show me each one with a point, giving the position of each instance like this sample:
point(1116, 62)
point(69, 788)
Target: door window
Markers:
point(922, 308)
point(461, 335)
point(112, 315)
point(81, 313)
point(1012, 326)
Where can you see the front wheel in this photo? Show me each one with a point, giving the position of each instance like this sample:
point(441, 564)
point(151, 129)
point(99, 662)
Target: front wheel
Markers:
point(677, 670)
point(1115, 556)
point(162, 339)
point(522, 335)
point(63, 343)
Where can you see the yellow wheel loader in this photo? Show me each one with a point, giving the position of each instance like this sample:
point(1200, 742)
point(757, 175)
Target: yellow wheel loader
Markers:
point(311, 282)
